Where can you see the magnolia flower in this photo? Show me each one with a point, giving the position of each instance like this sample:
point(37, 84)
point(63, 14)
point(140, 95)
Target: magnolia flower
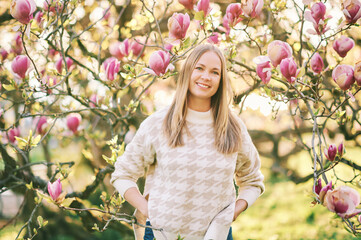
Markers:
point(93, 100)
point(264, 68)
point(317, 63)
point(12, 133)
point(73, 121)
point(331, 152)
point(136, 47)
point(233, 14)
point(278, 50)
point(111, 66)
point(318, 19)
point(38, 16)
point(18, 44)
point(252, 8)
point(168, 47)
point(59, 64)
point(54, 189)
point(4, 54)
point(357, 73)
point(124, 47)
point(343, 76)
point(214, 38)
point(321, 191)
point(114, 49)
point(20, 65)
point(289, 69)
point(343, 201)
point(159, 63)
point(343, 45)
point(188, 4)
point(22, 10)
point(203, 5)
point(352, 10)
point(225, 23)
point(340, 149)
point(178, 25)
point(41, 124)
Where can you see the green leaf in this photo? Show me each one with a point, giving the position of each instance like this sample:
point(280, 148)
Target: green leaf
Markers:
point(8, 87)
point(40, 221)
point(199, 16)
point(29, 186)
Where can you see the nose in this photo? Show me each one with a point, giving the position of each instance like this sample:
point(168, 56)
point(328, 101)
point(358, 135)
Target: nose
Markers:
point(206, 75)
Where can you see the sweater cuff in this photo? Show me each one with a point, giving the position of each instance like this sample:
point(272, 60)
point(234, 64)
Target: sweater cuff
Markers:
point(123, 185)
point(250, 195)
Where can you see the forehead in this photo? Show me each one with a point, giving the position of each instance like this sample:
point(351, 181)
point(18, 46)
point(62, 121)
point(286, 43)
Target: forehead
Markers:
point(210, 59)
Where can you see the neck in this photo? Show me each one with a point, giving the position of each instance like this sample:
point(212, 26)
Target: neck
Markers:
point(199, 105)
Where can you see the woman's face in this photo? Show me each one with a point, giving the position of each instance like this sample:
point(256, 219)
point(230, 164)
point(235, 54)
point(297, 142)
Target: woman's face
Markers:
point(205, 78)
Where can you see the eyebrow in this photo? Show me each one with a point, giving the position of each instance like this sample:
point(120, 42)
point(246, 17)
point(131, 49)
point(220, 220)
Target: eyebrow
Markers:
point(218, 69)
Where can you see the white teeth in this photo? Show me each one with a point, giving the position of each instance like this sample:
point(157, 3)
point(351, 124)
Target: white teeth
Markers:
point(202, 85)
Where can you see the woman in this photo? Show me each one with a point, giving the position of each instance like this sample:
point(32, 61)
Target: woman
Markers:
point(193, 150)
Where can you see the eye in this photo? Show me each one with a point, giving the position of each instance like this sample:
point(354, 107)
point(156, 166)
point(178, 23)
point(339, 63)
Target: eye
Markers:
point(198, 68)
point(215, 72)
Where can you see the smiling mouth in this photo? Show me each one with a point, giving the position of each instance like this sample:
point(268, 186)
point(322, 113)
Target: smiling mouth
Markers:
point(202, 85)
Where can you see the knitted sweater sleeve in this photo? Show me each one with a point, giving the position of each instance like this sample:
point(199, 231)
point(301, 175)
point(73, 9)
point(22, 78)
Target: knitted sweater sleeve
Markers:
point(248, 176)
point(137, 157)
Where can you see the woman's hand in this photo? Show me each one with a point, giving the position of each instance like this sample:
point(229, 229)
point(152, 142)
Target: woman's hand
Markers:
point(241, 205)
point(133, 196)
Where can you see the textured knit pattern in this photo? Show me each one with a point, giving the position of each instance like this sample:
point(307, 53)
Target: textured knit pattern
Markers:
point(190, 186)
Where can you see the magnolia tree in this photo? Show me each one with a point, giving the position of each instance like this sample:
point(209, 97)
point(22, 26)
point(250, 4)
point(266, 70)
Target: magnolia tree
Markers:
point(83, 73)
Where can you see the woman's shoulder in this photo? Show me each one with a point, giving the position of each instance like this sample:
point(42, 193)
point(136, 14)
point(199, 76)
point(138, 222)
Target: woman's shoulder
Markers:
point(156, 118)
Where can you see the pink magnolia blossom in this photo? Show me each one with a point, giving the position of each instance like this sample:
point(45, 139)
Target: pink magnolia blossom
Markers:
point(203, 5)
point(321, 191)
point(188, 4)
point(20, 65)
point(12, 133)
point(52, 6)
point(39, 16)
point(114, 49)
point(278, 50)
point(93, 100)
point(22, 10)
point(317, 63)
point(136, 47)
point(4, 54)
point(343, 45)
point(49, 81)
point(178, 25)
point(125, 47)
point(59, 64)
point(111, 66)
point(233, 14)
point(159, 63)
point(252, 8)
point(225, 23)
point(52, 53)
point(331, 152)
point(214, 38)
point(41, 124)
point(318, 19)
point(289, 69)
point(106, 14)
point(341, 149)
point(264, 68)
point(357, 73)
point(343, 76)
point(352, 10)
point(343, 201)
point(73, 121)
point(54, 189)
point(168, 47)
point(17, 47)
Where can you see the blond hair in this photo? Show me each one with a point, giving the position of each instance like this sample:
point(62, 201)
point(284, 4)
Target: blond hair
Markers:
point(226, 127)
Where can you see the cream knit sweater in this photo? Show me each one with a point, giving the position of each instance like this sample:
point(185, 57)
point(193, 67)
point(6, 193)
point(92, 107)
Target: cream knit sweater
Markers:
point(191, 191)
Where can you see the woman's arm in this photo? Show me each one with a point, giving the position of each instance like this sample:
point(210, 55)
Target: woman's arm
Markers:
point(133, 196)
point(241, 205)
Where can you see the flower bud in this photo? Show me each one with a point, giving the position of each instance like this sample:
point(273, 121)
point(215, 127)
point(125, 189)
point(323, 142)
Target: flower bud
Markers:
point(343, 76)
point(278, 50)
point(22, 10)
point(111, 66)
point(59, 64)
point(14, 132)
point(289, 69)
point(331, 152)
point(17, 47)
point(233, 14)
point(324, 191)
point(357, 73)
point(318, 186)
point(263, 69)
point(178, 25)
point(93, 100)
point(343, 45)
point(54, 189)
point(41, 125)
point(136, 47)
point(20, 65)
point(340, 149)
point(214, 38)
point(38, 16)
point(73, 121)
point(4, 54)
point(317, 63)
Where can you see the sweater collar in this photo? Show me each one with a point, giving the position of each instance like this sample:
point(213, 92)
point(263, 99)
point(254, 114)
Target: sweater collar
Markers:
point(199, 117)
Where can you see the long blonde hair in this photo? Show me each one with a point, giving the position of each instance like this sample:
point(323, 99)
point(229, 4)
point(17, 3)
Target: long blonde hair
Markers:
point(227, 129)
